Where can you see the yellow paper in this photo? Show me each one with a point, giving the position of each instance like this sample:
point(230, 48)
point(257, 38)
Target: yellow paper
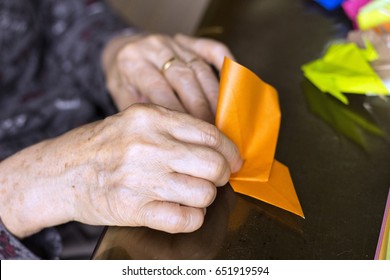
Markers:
point(373, 14)
point(248, 113)
point(345, 69)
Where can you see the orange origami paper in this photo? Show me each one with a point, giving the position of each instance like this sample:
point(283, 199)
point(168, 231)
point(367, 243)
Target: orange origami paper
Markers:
point(248, 113)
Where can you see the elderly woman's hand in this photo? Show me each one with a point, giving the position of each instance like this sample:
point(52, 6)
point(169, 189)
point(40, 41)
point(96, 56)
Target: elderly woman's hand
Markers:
point(171, 72)
point(146, 166)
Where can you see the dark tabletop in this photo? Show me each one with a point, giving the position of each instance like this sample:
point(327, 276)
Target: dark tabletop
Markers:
point(338, 155)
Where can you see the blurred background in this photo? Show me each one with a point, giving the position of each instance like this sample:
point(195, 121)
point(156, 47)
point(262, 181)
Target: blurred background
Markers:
point(163, 16)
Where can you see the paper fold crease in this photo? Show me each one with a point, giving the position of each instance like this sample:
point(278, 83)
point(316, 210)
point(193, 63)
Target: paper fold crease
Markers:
point(248, 113)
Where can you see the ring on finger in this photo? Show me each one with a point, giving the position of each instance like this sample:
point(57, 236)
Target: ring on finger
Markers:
point(168, 64)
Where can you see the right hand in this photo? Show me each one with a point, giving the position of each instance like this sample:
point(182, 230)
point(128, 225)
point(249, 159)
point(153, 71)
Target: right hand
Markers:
point(156, 168)
point(146, 166)
point(145, 243)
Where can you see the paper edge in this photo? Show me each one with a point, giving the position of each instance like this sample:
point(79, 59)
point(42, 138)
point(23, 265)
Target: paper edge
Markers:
point(383, 226)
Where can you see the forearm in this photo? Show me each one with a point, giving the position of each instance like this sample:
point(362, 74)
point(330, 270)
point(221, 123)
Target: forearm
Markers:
point(38, 186)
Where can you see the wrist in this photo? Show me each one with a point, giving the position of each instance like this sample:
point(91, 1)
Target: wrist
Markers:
point(39, 186)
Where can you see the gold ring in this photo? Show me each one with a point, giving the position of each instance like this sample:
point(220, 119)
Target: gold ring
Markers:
point(168, 64)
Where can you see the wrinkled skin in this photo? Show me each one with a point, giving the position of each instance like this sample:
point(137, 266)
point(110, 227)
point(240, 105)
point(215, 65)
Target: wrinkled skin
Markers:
point(133, 72)
point(146, 166)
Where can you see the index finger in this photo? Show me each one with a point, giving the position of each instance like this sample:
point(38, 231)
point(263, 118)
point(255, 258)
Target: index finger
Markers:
point(212, 51)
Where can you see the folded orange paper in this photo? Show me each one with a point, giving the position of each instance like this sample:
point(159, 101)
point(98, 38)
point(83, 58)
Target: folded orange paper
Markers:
point(248, 113)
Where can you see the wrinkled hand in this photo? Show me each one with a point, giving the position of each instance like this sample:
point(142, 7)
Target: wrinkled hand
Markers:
point(145, 166)
point(145, 244)
point(134, 72)
point(152, 167)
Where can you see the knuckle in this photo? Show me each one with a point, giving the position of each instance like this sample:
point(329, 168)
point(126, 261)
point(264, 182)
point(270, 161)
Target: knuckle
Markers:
point(220, 48)
point(184, 222)
point(177, 223)
point(194, 222)
point(208, 196)
point(217, 168)
point(157, 39)
point(185, 74)
point(211, 136)
point(140, 113)
point(129, 50)
point(144, 115)
point(204, 70)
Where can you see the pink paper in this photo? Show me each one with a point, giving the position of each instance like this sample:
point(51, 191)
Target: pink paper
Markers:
point(352, 7)
point(382, 232)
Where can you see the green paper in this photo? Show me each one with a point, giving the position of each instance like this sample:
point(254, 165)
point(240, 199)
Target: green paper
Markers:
point(345, 68)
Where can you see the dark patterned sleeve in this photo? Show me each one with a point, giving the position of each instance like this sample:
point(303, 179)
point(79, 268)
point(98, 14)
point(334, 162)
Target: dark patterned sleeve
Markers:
point(76, 34)
point(12, 248)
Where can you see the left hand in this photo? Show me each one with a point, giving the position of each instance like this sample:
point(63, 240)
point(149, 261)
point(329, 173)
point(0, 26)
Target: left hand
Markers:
point(173, 72)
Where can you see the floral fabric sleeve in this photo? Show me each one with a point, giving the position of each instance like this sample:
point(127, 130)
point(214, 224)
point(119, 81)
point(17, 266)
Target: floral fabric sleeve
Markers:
point(11, 248)
point(76, 35)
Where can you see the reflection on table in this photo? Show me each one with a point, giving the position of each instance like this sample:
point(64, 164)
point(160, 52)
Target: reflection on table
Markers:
point(338, 155)
point(227, 214)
